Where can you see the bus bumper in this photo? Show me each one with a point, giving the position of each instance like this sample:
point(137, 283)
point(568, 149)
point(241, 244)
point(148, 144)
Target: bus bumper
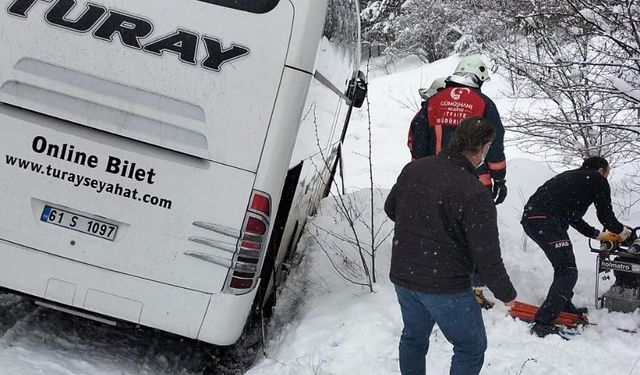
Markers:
point(124, 297)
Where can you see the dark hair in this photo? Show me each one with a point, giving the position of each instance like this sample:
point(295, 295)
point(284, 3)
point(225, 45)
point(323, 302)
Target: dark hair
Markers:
point(471, 134)
point(595, 163)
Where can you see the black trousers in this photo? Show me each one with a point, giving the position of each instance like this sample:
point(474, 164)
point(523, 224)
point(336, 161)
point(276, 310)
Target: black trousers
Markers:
point(551, 235)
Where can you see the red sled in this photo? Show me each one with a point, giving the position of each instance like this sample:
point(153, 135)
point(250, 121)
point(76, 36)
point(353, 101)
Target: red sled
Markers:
point(527, 313)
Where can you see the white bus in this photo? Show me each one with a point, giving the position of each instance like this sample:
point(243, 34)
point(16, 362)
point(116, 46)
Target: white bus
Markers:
point(159, 159)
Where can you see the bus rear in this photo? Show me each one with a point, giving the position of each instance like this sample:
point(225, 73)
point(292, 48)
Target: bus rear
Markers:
point(131, 136)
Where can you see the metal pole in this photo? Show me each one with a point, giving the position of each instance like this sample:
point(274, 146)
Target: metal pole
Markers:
point(597, 281)
point(343, 135)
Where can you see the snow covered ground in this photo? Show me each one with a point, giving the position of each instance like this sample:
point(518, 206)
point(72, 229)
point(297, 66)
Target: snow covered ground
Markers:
point(36, 340)
point(326, 325)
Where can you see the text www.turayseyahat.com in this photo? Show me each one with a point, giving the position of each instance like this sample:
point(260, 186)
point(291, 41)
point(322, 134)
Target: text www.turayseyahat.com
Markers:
point(81, 181)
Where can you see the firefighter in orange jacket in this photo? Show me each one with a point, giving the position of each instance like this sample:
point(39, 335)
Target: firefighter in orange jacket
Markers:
point(432, 127)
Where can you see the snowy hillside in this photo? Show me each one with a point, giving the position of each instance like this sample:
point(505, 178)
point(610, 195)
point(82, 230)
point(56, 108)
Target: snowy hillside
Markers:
point(329, 326)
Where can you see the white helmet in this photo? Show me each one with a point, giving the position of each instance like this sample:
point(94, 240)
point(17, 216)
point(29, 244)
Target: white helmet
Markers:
point(436, 85)
point(474, 65)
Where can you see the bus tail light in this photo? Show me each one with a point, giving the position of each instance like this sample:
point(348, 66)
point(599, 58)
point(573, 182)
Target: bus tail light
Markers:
point(247, 261)
point(261, 202)
point(255, 226)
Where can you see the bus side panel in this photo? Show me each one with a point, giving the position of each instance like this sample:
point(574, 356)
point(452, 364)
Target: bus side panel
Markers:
point(316, 145)
point(302, 51)
point(280, 141)
point(272, 170)
point(324, 116)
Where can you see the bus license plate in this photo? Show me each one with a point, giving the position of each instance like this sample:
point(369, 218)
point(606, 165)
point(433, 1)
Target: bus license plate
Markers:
point(79, 223)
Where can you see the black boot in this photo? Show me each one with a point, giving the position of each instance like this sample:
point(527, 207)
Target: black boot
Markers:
point(572, 309)
point(543, 329)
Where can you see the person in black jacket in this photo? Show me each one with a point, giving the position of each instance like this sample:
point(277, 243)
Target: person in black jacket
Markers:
point(445, 225)
point(434, 125)
point(559, 203)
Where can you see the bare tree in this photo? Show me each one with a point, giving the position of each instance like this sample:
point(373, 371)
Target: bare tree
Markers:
point(413, 34)
point(434, 29)
point(352, 247)
point(616, 23)
point(564, 66)
point(377, 16)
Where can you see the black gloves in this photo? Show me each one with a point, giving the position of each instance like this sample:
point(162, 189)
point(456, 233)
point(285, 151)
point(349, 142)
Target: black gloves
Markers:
point(499, 191)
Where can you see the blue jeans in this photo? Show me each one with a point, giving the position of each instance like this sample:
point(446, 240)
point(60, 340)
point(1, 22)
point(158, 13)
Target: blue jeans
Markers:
point(460, 320)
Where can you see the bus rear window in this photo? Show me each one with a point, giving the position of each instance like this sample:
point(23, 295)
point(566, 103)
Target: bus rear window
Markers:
point(254, 6)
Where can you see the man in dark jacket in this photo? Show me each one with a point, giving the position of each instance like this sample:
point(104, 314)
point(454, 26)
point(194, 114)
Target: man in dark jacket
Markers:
point(559, 203)
point(445, 225)
point(435, 123)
